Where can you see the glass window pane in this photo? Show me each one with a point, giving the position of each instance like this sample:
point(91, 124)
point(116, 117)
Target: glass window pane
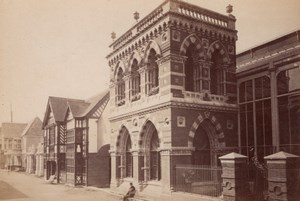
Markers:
point(242, 92)
point(250, 125)
point(249, 91)
point(288, 81)
point(258, 88)
point(266, 87)
point(283, 114)
point(243, 126)
point(268, 125)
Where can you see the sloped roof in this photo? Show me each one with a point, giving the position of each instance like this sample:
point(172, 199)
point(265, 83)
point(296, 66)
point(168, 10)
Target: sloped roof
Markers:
point(79, 108)
point(96, 100)
point(59, 107)
point(11, 130)
point(28, 130)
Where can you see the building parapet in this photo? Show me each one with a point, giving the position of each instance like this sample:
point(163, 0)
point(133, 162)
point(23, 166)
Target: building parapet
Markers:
point(177, 7)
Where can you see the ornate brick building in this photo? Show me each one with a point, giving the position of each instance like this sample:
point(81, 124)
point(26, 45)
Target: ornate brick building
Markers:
point(173, 94)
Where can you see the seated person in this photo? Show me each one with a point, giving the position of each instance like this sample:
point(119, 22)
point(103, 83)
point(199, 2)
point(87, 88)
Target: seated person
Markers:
point(130, 193)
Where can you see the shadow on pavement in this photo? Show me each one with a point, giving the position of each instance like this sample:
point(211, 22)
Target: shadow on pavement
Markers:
point(9, 192)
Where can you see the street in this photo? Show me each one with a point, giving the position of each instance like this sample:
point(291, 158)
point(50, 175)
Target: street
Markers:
point(24, 187)
point(20, 186)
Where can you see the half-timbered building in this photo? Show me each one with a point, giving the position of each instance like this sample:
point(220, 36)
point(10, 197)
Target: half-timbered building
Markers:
point(76, 140)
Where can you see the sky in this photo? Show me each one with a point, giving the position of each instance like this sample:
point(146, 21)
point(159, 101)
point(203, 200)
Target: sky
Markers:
point(58, 47)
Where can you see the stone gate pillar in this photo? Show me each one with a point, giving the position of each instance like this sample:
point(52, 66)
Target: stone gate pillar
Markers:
point(283, 176)
point(235, 181)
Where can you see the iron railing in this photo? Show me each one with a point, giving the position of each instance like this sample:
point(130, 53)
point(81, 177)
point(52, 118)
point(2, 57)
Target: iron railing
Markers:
point(203, 180)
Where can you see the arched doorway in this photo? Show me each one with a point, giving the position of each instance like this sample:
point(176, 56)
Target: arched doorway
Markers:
point(124, 167)
point(207, 138)
point(154, 157)
point(150, 144)
point(201, 155)
point(128, 158)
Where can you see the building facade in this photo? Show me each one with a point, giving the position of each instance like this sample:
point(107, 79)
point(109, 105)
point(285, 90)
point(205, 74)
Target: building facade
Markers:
point(173, 95)
point(11, 145)
point(75, 141)
point(268, 79)
point(31, 137)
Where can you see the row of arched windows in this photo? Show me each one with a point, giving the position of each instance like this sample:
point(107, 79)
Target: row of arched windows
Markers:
point(207, 75)
point(135, 85)
point(201, 76)
point(151, 156)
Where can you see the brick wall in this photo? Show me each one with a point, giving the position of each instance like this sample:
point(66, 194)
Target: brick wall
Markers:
point(99, 168)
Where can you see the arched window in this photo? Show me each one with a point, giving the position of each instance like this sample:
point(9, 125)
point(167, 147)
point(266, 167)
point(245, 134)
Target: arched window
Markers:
point(154, 157)
point(216, 74)
point(135, 81)
point(120, 88)
point(152, 74)
point(128, 159)
point(189, 68)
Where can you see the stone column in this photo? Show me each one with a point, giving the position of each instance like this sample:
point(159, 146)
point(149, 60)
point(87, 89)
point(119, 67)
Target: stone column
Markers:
point(113, 178)
point(31, 163)
point(41, 173)
point(235, 181)
point(166, 170)
point(142, 72)
point(127, 80)
point(27, 163)
point(37, 158)
point(283, 173)
point(137, 163)
point(274, 107)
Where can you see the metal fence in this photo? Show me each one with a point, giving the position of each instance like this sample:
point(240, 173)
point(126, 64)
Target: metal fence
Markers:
point(203, 180)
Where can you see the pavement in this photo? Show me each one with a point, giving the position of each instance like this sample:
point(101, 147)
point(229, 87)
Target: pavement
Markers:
point(20, 186)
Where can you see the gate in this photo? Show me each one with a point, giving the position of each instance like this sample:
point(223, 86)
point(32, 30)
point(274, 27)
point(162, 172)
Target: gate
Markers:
point(203, 180)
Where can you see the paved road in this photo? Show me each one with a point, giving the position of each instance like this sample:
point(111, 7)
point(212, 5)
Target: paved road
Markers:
point(24, 187)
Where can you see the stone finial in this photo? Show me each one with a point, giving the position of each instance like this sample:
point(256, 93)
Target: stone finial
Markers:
point(136, 16)
point(229, 9)
point(232, 155)
point(113, 35)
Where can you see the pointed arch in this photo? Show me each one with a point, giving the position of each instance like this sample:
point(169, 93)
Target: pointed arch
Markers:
point(217, 45)
point(146, 133)
point(124, 155)
point(120, 65)
point(135, 79)
point(135, 55)
point(150, 143)
point(123, 134)
point(217, 138)
point(152, 45)
point(191, 39)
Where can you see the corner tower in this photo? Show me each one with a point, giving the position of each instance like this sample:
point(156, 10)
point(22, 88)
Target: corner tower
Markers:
point(173, 94)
